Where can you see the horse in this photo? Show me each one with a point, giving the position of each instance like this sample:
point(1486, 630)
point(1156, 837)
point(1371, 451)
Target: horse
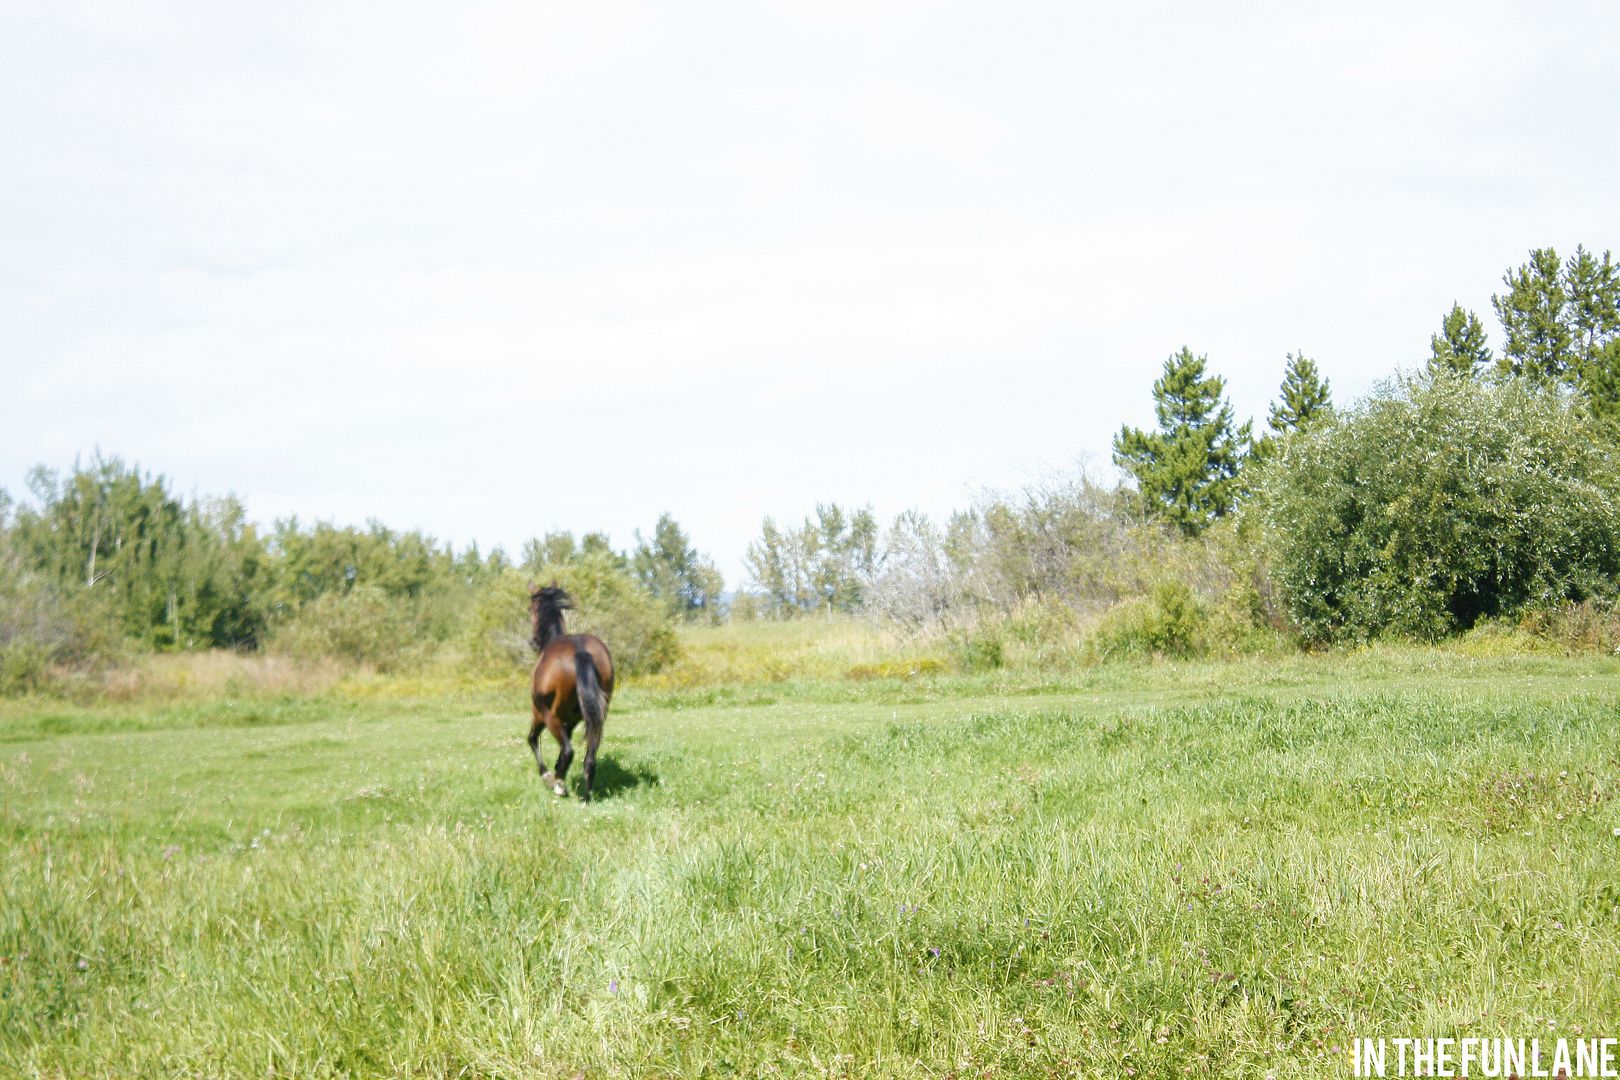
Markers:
point(573, 681)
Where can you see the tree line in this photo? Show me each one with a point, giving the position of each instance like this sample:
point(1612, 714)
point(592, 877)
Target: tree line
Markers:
point(106, 557)
point(1480, 485)
point(1560, 322)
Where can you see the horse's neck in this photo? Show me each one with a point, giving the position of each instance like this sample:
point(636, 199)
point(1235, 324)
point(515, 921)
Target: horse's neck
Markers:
point(550, 630)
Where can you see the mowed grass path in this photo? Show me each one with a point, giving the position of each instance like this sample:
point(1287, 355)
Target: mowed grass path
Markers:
point(1199, 870)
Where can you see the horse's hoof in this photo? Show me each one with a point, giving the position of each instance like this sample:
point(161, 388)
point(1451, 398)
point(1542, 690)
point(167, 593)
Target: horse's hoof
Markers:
point(558, 790)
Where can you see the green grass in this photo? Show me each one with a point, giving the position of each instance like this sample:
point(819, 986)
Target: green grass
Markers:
point(1198, 869)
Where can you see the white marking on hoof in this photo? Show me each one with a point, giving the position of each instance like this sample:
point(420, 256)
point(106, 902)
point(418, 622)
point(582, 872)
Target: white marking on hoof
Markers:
point(558, 790)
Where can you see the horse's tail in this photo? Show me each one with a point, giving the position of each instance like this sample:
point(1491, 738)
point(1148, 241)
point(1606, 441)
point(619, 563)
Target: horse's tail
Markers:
point(592, 706)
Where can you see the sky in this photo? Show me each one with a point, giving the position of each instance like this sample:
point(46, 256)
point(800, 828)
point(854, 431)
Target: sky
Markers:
point(490, 270)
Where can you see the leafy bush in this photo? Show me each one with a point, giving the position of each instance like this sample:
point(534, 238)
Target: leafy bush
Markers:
point(1438, 502)
point(363, 625)
point(608, 603)
point(497, 633)
point(1245, 614)
point(1169, 621)
point(47, 631)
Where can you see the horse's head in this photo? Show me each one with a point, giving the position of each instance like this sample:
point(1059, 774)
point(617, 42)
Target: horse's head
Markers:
point(546, 607)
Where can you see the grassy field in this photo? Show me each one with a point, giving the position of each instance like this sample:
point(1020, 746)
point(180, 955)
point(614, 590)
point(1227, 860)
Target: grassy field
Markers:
point(1173, 870)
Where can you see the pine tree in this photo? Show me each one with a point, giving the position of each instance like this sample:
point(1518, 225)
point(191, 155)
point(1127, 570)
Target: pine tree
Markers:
point(1593, 287)
point(1187, 470)
point(1562, 325)
point(1459, 347)
point(1304, 396)
point(1536, 336)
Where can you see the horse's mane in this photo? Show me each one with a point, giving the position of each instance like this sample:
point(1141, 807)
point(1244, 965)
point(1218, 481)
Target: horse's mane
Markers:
point(549, 605)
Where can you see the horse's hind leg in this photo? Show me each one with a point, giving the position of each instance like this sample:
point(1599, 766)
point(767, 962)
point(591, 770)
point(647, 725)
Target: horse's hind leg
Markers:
point(548, 777)
point(564, 759)
point(593, 739)
point(565, 756)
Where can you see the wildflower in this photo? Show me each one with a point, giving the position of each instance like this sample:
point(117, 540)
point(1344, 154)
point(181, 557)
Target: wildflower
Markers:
point(613, 986)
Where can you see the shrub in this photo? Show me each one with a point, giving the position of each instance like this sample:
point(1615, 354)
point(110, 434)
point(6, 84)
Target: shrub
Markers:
point(608, 603)
point(1440, 501)
point(1170, 621)
point(1036, 633)
point(1071, 539)
point(1244, 611)
point(497, 632)
point(913, 584)
point(1584, 627)
point(362, 625)
point(47, 631)
point(979, 648)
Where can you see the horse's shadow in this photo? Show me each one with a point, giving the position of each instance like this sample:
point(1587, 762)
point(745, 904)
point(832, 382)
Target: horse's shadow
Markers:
point(613, 778)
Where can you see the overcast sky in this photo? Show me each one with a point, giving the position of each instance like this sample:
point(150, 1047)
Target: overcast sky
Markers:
point(489, 270)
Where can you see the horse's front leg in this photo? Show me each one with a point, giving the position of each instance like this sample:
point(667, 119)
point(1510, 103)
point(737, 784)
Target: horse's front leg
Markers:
point(535, 728)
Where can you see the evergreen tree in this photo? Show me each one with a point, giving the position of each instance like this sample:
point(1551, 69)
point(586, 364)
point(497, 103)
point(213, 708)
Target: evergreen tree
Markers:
point(1593, 287)
point(1304, 396)
point(1536, 334)
point(1187, 470)
point(1562, 325)
point(1460, 346)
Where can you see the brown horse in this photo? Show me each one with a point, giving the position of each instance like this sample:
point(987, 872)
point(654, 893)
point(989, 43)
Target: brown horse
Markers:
point(573, 681)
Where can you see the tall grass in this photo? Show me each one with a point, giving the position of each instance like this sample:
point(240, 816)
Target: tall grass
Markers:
point(1161, 870)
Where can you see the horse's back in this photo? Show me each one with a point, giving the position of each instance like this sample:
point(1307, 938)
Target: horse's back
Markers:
point(555, 676)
